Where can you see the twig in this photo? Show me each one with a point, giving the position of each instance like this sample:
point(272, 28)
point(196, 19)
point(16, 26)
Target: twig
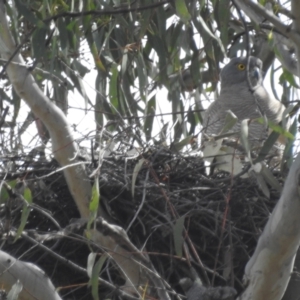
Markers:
point(104, 12)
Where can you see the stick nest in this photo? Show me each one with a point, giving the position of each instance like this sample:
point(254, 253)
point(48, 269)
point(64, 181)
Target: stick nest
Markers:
point(184, 219)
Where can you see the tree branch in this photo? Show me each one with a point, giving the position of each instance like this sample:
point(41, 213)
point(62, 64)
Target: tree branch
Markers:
point(105, 12)
point(284, 29)
point(269, 269)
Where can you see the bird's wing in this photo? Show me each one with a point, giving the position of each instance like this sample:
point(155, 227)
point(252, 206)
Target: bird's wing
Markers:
point(269, 105)
point(213, 119)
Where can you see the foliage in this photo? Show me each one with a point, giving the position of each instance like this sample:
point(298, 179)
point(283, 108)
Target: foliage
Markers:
point(133, 52)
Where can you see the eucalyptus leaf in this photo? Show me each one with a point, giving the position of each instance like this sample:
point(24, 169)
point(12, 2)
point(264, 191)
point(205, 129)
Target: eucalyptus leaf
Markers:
point(178, 235)
point(182, 10)
point(244, 137)
point(135, 173)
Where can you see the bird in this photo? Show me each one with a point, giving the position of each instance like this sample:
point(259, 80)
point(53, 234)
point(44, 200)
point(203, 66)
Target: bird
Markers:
point(242, 92)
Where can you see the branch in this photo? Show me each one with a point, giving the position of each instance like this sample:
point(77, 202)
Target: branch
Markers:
point(284, 29)
point(269, 269)
point(105, 12)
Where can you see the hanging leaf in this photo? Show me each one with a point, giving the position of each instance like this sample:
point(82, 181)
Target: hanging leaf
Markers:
point(25, 212)
point(94, 281)
point(181, 144)
point(113, 88)
point(289, 77)
point(94, 203)
point(135, 173)
point(4, 196)
point(63, 32)
point(149, 112)
point(90, 263)
point(262, 184)
point(270, 178)
point(182, 10)
point(222, 15)
point(244, 138)
point(78, 66)
point(142, 74)
point(178, 235)
point(39, 42)
point(267, 146)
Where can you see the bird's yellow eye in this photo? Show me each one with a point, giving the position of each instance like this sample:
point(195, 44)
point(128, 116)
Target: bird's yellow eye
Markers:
point(241, 67)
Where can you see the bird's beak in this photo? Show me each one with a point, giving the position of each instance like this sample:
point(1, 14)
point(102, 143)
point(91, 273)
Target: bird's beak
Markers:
point(256, 73)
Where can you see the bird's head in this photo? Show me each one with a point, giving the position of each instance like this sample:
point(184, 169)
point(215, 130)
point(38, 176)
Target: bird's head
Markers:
point(235, 72)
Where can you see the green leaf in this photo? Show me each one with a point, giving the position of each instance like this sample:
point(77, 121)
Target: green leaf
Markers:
point(262, 184)
point(289, 77)
point(113, 87)
point(223, 18)
point(80, 87)
point(28, 195)
point(270, 179)
point(178, 235)
point(3, 193)
point(161, 23)
point(277, 128)
point(94, 203)
point(25, 212)
point(288, 150)
point(145, 22)
point(267, 146)
point(132, 107)
point(149, 112)
point(135, 173)
point(182, 10)
point(101, 106)
point(63, 33)
point(82, 70)
point(13, 183)
point(142, 74)
point(38, 42)
point(17, 105)
point(95, 275)
point(184, 142)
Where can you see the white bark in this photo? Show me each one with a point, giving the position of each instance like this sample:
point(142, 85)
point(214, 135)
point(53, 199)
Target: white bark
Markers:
point(269, 269)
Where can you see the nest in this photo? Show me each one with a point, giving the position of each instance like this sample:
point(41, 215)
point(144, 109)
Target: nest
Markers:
point(163, 200)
